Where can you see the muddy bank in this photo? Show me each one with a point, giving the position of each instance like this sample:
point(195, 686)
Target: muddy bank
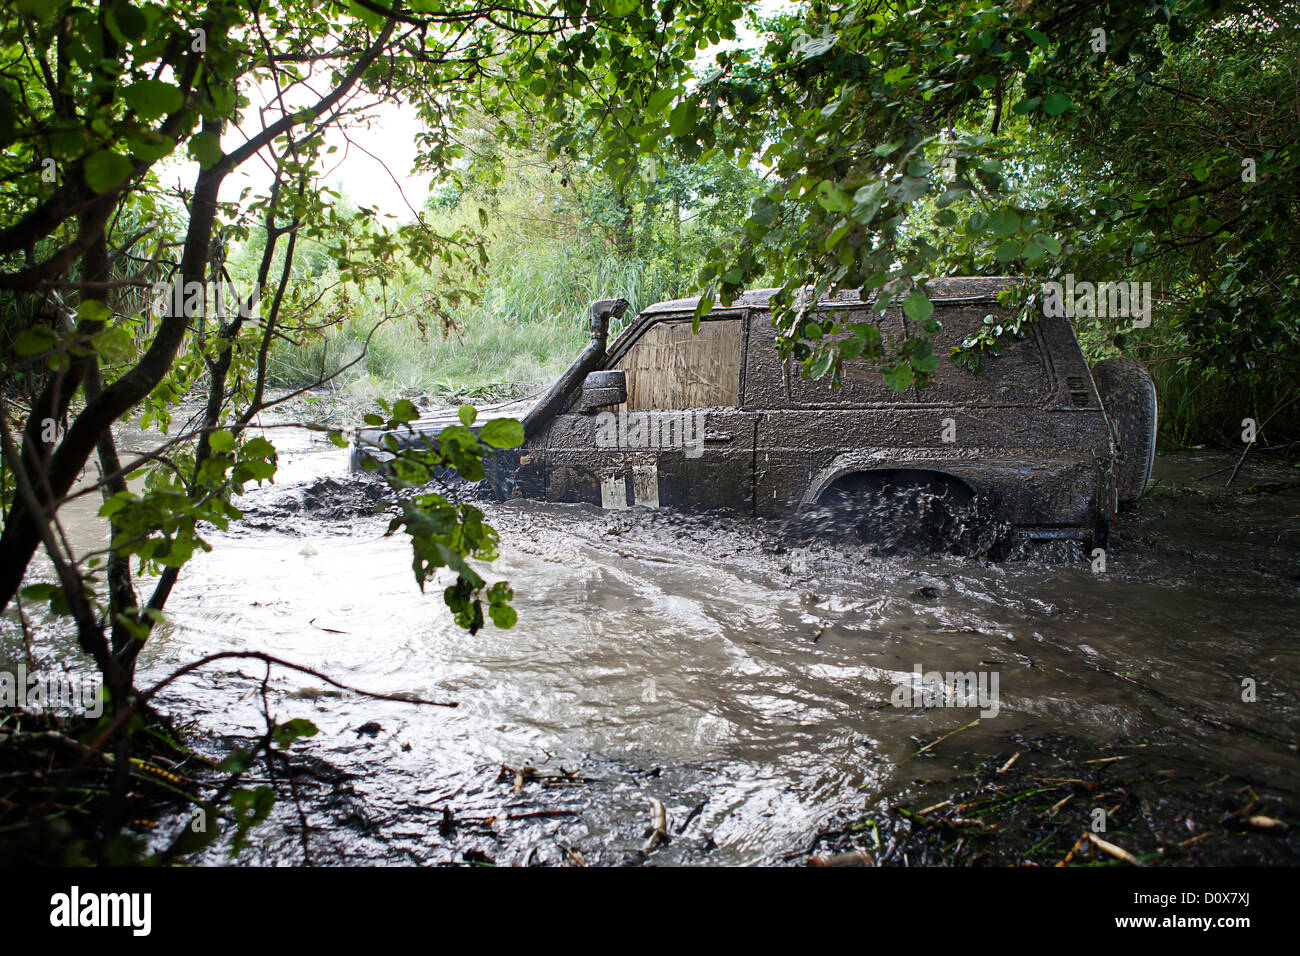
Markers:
point(1056, 801)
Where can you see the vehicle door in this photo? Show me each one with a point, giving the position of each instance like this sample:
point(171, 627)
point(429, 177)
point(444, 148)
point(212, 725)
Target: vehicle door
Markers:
point(680, 440)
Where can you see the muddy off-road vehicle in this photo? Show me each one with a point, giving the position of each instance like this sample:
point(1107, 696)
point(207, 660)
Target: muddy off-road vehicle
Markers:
point(717, 419)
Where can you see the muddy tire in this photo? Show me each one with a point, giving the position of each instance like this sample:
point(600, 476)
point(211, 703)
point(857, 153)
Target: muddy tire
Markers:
point(1129, 397)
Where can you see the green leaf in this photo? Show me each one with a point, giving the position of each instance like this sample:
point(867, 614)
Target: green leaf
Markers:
point(1008, 251)
point(200, 830)
point(831, 198)
point(897, 73)
point(34, 341)
point(1038, 37)
point(106, 170)
point(899, 377)
point(237, 761)
point(258, 447)
point(660, 99)
point(255, 470)
point(467, 414)
point(502, 433)
point(917, 306)
point(1054, 104)
point(221, 441)
point(370, 18)
point(205, 148)
point(153, 99)
point(682, 119)
point(821, 364)
point(42, 10)
point(405, 411)
point(1004, 222)
point(92, 310)
point(503, 615)
point(130, 22)
point(115, 344)
point(39, 592)
point(149, 145)
point(287, 733)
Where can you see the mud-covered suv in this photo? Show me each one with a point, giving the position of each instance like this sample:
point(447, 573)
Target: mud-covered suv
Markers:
point(717, 419)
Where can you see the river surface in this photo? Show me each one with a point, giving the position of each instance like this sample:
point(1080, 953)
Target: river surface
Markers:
point(740, 677)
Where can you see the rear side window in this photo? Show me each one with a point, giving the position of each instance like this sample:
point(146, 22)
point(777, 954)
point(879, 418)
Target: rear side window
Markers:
point(860, 381)
point(671, 367)
point(1019, 376)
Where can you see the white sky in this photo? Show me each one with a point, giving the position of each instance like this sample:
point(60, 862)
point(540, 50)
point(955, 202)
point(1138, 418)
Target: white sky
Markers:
point(355, 168)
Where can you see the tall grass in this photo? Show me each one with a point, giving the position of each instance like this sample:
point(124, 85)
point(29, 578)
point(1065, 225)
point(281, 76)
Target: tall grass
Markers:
point(1200, 408)
point(528, 324)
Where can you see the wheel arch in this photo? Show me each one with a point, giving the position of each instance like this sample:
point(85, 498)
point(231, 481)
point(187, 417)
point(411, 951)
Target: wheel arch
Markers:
point(875, 473)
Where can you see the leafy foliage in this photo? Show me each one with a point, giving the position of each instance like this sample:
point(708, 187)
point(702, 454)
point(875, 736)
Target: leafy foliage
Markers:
point(107, 277)
point(1109, 140)
point(443, 531)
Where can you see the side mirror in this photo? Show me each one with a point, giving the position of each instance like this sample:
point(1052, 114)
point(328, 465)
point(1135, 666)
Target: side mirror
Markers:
point(603, 388)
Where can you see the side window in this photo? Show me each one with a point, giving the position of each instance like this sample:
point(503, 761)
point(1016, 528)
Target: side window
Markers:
point(1019, 376)
point(672, 367)
point(861, 384)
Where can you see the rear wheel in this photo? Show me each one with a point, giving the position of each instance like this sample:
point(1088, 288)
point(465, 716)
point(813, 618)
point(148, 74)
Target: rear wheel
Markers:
point(1129, 397)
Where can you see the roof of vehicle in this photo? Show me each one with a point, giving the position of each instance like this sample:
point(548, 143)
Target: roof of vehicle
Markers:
point(950, 287)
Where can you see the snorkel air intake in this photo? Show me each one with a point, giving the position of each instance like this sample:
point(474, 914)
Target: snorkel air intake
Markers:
point(598, 317)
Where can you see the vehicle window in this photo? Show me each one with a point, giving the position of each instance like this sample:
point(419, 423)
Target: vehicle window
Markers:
point(1019, 376)
point(671, 367)
point(861, 383)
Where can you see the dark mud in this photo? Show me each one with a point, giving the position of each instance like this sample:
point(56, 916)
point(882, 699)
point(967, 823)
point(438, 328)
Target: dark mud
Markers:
point(1056, 802)
point(313, 506)
point(893, 518)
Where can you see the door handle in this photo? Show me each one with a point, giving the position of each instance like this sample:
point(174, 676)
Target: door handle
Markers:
point(718, 436)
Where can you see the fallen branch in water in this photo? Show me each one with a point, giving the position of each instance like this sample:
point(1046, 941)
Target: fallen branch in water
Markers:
point(856, 858)
point(945, 737)
point(1249, 445)
point(574, 856)
point(529, 815)
point(145, 696)
point(1118, 852)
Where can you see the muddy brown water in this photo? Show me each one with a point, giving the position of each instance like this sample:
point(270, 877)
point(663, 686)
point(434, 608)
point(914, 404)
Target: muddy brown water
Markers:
point(715, 664)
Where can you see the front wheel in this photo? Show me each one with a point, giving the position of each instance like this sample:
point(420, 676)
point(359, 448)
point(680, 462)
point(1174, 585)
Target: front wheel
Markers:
point(1129, 397)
